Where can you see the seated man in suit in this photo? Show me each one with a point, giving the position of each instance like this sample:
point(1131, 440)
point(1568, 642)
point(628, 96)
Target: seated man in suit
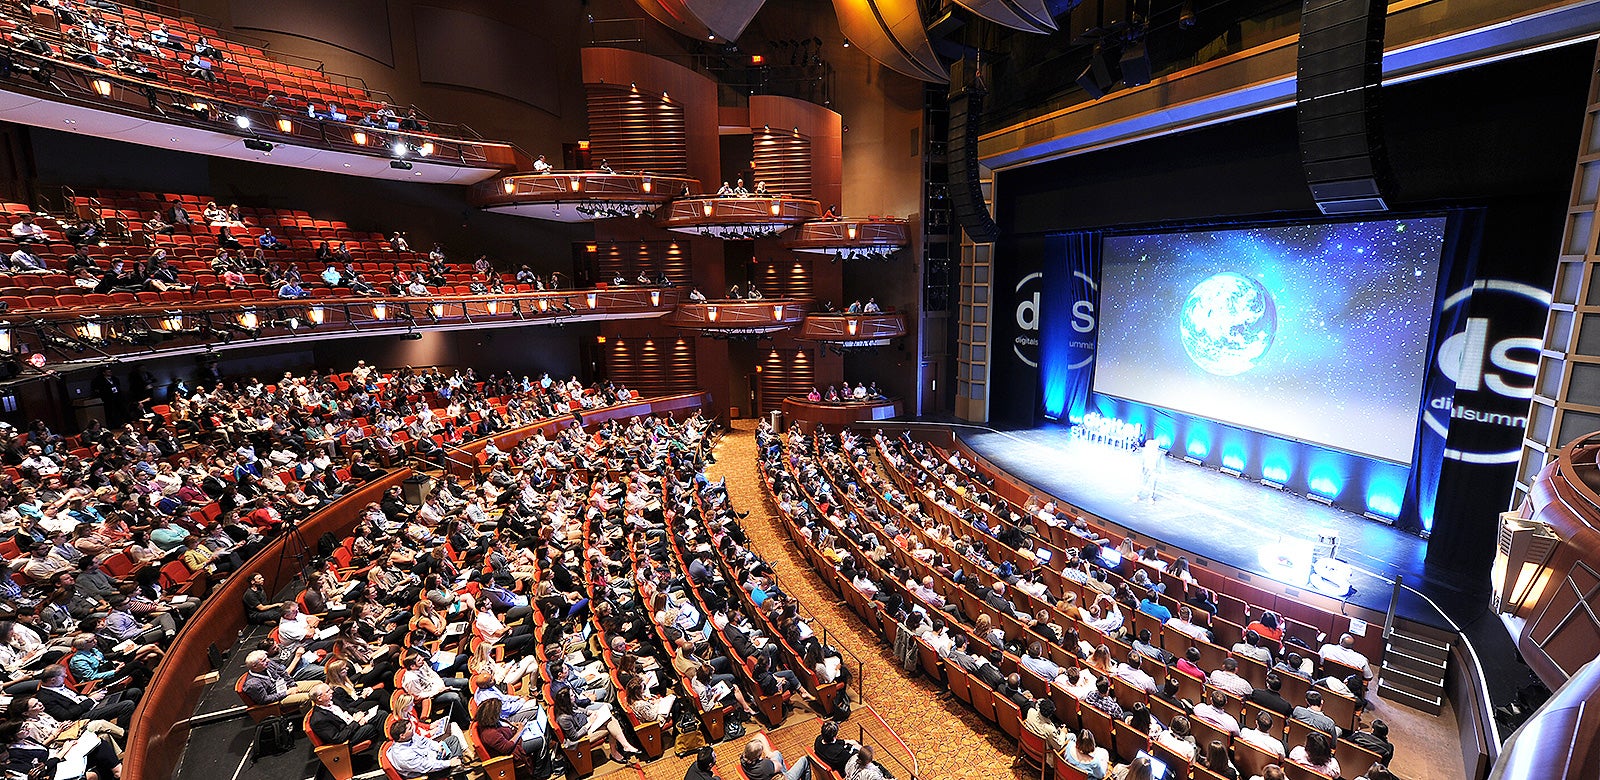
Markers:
point(65, 704)
point(266, 682)
point(332, 725)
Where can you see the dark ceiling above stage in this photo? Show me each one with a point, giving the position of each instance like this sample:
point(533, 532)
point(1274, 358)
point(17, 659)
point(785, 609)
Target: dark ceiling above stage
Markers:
point(1505, 129)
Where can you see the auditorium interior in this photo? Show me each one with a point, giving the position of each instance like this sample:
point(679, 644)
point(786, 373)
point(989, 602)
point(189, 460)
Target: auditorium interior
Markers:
point(914, 389)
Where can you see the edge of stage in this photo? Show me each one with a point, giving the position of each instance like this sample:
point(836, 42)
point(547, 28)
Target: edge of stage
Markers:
point(1222, 518)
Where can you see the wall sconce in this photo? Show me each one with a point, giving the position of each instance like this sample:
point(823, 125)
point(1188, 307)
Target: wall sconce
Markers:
point(711, 313)
point(379, 311)
point(509, 186)
point(315, 315)
point(777, 311)
point(285, 126)
point(592, 298)
point(248, 319)
point(544, 305)
point(426, 148)
point(172, 321)
point(1519, 574)
point(359, 137)
point(101, 87)
point(576, 184)
point(437, 310)
point(705, 208)
point(850, 232)
point(655, 297)
point(494, 307)
point(91, 329)
point(645, 185)
point(776, 207)
point(852, 326)
point(5, 338)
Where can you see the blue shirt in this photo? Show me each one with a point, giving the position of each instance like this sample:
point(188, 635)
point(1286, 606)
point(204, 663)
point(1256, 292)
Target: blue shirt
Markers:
point(1155, 610)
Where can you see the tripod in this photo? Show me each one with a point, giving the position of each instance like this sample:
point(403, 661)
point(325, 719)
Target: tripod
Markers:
point(295, 548)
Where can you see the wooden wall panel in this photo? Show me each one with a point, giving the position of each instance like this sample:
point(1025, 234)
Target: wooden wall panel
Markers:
point(633, 130)
point(823, 131)
point(605, 258)
point(652, 365)
point(693, 92)
point(784, 371)
point(788, 276)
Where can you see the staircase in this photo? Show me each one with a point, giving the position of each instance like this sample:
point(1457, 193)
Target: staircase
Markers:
point(1414, 666)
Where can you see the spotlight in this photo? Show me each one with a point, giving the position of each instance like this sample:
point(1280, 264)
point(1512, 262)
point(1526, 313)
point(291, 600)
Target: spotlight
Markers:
point(242, 121)
point(411, 336)
point(399, 148)
point(400, 165)
point(1101, 74)
point(258, 145)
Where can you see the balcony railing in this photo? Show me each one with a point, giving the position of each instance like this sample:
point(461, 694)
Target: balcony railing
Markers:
point(49, 337)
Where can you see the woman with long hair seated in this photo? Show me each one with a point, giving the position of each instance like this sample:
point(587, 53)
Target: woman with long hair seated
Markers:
point(499, 738)
point(578, 722)
point(1316, 754)
point(1083, 755)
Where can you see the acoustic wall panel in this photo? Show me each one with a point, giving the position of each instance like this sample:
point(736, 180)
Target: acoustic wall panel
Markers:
point(360, 26)
point(460, 49)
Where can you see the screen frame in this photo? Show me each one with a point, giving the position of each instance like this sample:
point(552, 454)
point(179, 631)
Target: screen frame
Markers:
point(1451, 222)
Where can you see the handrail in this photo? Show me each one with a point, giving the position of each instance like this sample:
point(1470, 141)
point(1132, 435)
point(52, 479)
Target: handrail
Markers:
point(177, 327)
point(158, 726)
point(214, 112)
point(155, 736)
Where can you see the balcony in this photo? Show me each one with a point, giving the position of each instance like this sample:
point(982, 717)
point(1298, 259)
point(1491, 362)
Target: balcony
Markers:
point(578, 196)
point(55, 338)
point(65, 95)
point(740, 318)
point(852, 331)
point(851, 238)
point(749, 217)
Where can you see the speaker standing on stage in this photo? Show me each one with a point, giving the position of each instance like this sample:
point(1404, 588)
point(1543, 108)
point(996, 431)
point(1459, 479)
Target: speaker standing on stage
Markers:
point(1151, 467)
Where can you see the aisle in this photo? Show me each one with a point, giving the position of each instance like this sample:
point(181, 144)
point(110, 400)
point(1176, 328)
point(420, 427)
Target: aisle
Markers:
point(950, 741)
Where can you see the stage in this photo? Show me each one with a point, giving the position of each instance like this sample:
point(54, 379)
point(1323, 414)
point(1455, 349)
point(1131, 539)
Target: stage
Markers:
point(1214, 515)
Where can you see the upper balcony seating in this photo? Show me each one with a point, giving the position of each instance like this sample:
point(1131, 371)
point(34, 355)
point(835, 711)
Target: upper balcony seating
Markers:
point(238, 71)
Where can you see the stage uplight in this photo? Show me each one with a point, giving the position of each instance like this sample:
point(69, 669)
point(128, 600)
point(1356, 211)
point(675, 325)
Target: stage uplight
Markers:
point(1198, 449)
point(1233, 462)
point(1381, 501)
point(1278, 474)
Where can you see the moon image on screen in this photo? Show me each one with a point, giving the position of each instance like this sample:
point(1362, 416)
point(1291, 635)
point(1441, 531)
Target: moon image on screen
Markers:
point(1228, 323)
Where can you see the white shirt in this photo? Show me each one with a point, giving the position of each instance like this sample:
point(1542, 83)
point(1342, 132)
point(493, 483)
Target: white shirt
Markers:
point(1264, 741)
point(1346, 657)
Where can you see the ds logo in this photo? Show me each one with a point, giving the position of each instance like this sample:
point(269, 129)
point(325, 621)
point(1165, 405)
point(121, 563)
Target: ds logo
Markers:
point(1494, 378)
point(1028, 314)
point(1026, 344)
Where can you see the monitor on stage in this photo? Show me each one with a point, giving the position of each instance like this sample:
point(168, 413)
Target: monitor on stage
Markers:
point(1317, 332)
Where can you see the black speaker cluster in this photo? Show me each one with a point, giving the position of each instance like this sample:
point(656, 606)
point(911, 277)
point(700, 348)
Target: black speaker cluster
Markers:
point(1338, 78)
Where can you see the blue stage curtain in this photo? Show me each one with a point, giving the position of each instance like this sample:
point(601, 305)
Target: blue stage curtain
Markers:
point(1068, 320)
point(1458, 264)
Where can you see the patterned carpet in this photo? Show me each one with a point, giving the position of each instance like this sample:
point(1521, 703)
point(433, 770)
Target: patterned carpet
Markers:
point(950, 741)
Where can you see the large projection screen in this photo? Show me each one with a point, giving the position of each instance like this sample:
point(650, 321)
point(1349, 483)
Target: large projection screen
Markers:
point(1317, 332)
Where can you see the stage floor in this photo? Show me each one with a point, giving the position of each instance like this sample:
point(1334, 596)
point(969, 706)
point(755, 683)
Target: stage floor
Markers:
point(1222, 518)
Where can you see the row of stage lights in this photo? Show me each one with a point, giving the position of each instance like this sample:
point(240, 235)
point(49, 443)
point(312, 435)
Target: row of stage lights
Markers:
point(1323, 487)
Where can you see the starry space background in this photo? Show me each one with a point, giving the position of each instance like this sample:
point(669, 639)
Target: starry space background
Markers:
point(1354, 306)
